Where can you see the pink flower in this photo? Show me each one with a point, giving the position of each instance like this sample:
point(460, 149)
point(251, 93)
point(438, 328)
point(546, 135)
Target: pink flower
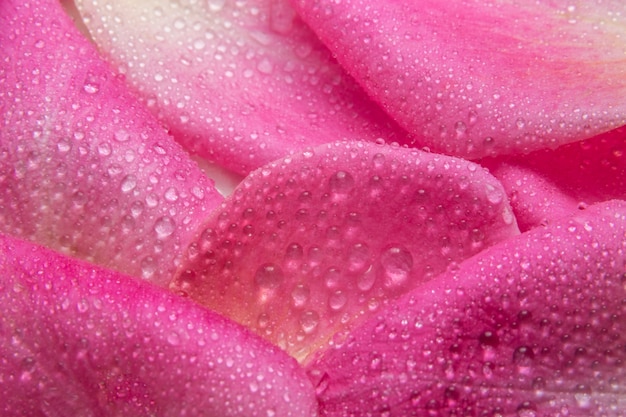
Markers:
point(352, 272)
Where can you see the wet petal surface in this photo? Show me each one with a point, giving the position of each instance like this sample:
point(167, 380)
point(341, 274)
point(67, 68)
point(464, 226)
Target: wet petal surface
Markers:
point(239, 83)
point(84, 168)
point(76, 340)
point(547, 185)
point(310, 244)
point(533, 326)
point(474, 78)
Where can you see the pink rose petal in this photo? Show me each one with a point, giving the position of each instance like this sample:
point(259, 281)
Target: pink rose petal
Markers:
point(84, 169)
point(477, 78)
point(239, 83)
point(547, 185)
point(533, 326)
point(308, 245)
point(77, 340)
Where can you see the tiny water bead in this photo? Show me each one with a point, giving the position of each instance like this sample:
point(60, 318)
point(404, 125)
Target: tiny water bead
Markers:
point(397, 263)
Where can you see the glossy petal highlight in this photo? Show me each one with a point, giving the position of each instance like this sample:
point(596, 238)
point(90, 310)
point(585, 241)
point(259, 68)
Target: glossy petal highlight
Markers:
point(239, 83)
point(311, 244)
point(533, 326)
point(84, 168)
point(473, 78)
point(76, 340)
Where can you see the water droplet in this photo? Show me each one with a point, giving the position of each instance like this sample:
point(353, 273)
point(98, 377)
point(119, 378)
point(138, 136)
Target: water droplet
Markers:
point(173, 339)
point(489, 339)
point(300, 295)
point(121, 136)
point(526, 409)
point(396, 262)
point(164, 227)
point(171, 194)
point(337, 300)
point(199, 44)
point(64, 146)
point(128, 183)
point(268, 278)
point(309, 321)
point(148, 267)
point(358, 257)
point(494, 195)
point(215, 5)
point(104, 149)
point(582, 394)
point(265, 66)
point(341, 183)
point(523, 359)
point(91, 88)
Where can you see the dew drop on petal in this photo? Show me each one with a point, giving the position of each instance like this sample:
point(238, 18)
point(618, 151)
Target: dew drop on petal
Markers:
point(309, 321)
point(396, 262)
point(341, 183)
point(164, 227)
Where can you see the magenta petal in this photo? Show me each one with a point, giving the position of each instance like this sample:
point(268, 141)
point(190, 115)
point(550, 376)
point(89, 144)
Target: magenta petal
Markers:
point(239, 83)
point(84, 169)
point(76, 340)
point(310, 244)
point(533, 326)
point(547, 185)
point(477, 78)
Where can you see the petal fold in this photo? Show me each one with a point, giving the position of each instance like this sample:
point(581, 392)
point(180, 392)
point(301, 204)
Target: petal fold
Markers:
point(77, 340)
point(546, 185)
point(84, 168)
point(474, 78)
point(308, 245)
point(533, 326)
point(239, 83)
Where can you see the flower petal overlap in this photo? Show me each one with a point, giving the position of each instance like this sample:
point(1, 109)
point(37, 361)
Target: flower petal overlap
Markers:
point(474, 78)
point(314, 242)
point(84, 168)
point(533, 326)
point(77, 340)
point(245, 83)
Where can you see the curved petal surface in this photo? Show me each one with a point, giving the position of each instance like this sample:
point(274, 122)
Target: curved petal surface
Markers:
point(533, 326)
point(239, 83)
point(310, 244)
point(76, 340)
point(84, 168)
point(547, 185)
point(473, 78)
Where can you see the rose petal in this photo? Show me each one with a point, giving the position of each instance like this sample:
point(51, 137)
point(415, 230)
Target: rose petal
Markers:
point(76, 340)
point(84, 168)
point(478, 78)
point(547, 185)
point(312, 243)
point(533, 326)
point(241, 84)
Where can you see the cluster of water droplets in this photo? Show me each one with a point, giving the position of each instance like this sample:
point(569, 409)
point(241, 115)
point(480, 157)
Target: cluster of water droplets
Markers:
point(312, 243)
point(511, 333)
point(211, 71)
point(86, 170)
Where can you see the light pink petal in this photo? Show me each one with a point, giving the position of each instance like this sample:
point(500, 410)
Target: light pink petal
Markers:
point(310, 244)
point(77, 340)
point(533, 326)
point(84, 168)
point(477, 78)
point(239, 83)
point(547, 185)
